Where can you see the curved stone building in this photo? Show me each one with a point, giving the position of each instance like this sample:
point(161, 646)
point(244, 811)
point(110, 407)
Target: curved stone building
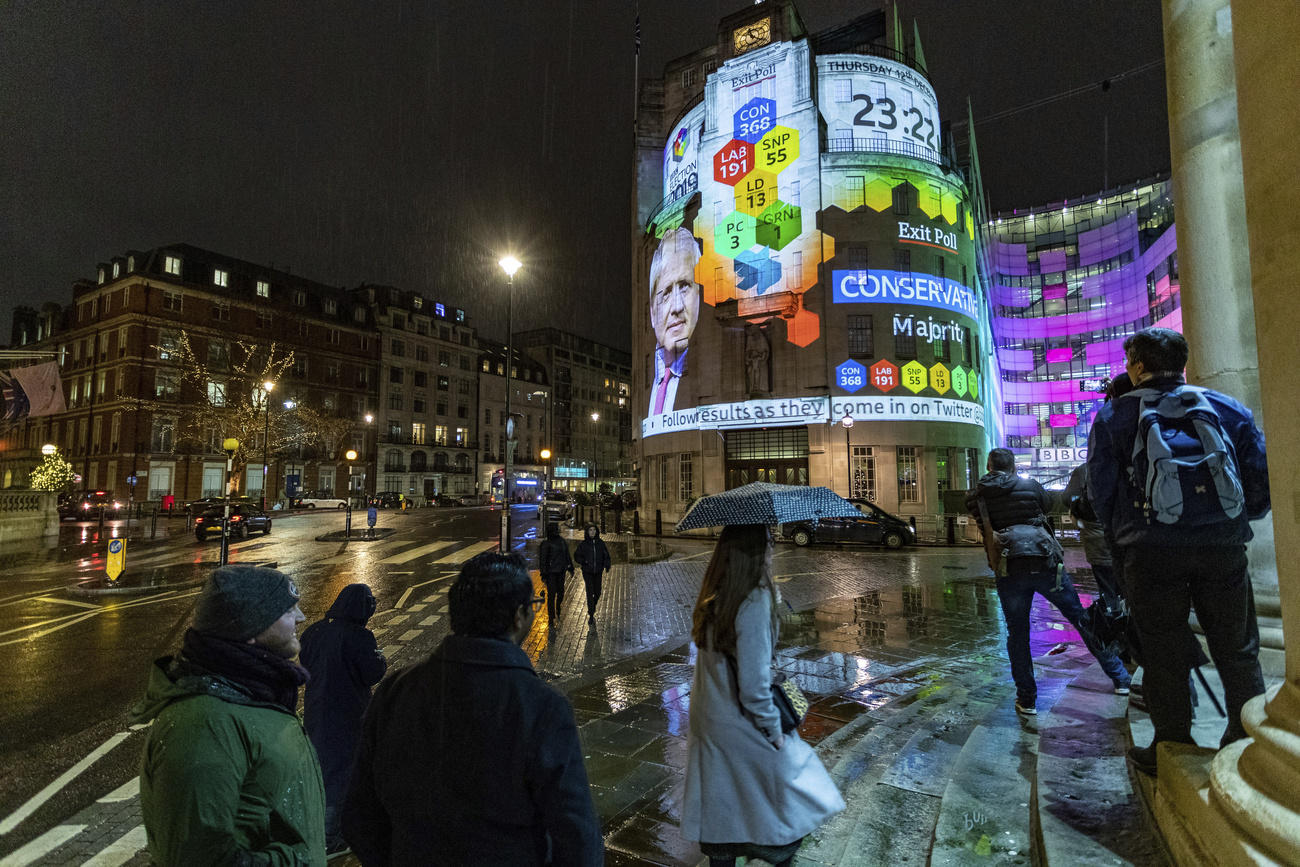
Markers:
point(807, 307)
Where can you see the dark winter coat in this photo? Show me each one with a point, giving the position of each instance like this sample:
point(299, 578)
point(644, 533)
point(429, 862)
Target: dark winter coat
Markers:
point(467, 757)
point(1010, 500)
point(345, 662)
point(1118, 502)
point(592, 556)
point(553, 556)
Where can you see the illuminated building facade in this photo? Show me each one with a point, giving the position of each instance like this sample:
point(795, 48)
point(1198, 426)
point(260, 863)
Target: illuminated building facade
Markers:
point(1070, 282)
point(806, 305)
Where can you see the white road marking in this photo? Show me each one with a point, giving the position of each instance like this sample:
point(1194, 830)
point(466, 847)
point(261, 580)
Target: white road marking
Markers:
point(57, 623)
point(14, 819)
point(693, 556)
point(407, 593)
point(419, 551)
point(41, 846)
point(121, 850)
point(401, 618)
point(419, 607)
point(124, 792)
point(58, 601)
point(468, 551)
point(429, 621)
point(409, 634)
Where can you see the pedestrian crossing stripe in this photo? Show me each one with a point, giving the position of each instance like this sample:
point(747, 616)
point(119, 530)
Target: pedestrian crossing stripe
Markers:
point(412, 553)
point(467, 552)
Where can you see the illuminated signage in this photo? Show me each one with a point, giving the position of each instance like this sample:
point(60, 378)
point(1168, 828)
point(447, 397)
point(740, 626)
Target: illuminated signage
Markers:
point(1062, 456)
point(739, 414)
point(682, 156)
point(858, 286)
point(927, 236)
point(908, 408)
point(874, 104)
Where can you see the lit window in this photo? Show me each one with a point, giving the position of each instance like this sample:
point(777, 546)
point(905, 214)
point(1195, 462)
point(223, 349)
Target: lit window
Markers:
point(172, 265)
point(220, 277)
point(300, 298)
point(417, 433)
point(263, 289)
point(216, 393)
point(117, 270)
point(331, 306)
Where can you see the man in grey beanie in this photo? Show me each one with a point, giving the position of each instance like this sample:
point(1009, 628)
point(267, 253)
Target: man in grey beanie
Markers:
point(228, 776)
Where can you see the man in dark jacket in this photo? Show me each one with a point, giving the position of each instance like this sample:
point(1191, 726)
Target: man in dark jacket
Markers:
point(592, 557)
point(1011, 500)
point(467, 757)
point(345, 662)
point(1169, 568)
point(555, 564)
point(227, 775)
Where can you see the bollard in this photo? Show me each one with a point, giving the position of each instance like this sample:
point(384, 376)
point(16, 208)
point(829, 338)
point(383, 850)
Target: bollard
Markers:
point(602, 519)
point(952, 529)
point(636, 522)
point(347, 523)
point(153, 525)
point(659, 522)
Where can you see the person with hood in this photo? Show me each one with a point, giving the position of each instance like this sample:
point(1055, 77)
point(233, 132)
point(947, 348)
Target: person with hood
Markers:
point(592, 557)
point(228, 775)
point(467, 756)
point(1009, 500)
point(555, 564)
point(344, 661)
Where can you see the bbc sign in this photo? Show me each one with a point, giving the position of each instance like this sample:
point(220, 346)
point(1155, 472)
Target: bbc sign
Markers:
point(1062, 456)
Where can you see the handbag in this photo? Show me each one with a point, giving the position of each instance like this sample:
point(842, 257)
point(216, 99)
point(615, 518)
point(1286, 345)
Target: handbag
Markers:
point(791, 703)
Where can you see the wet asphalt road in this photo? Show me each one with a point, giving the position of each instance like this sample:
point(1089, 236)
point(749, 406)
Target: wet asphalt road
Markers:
point(71, 667)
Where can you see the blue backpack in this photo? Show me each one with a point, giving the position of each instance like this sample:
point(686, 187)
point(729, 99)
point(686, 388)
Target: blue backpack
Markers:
point(1184, 468)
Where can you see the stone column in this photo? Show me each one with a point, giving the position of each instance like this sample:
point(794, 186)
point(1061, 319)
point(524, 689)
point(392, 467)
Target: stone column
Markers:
point(1246, 810)
point(1257, 782)
point(1213, 247)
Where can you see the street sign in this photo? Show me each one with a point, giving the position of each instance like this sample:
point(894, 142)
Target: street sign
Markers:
point(131, 480)
point(116, 558)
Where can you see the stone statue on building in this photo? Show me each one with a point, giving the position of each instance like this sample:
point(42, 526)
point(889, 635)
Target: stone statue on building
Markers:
point(758, 360)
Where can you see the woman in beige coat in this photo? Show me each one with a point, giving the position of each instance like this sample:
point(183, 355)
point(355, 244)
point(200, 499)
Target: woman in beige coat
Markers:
point(751, 789)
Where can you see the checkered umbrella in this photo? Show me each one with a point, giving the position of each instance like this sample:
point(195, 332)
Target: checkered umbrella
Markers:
point(765, 503)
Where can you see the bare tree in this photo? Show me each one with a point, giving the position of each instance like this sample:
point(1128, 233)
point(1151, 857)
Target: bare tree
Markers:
point(223, 397)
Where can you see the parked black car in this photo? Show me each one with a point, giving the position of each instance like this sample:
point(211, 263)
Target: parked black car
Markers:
point(386, 499)
point(244, 519)
point(87, 505)
point(198, 507)
point(874, 527)
point(447, 500)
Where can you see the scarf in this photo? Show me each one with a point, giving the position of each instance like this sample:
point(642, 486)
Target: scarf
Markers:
point(265, 676)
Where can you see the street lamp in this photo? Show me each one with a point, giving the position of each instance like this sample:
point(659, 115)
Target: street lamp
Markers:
point(847, 424)
point(365, 435)
point(49, 449)
point(595, 462)
point(267, 388)
point(229, 445)
point(510, 265)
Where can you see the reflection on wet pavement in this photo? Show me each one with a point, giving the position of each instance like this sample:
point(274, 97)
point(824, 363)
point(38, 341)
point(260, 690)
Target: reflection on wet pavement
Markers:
point(859, 659)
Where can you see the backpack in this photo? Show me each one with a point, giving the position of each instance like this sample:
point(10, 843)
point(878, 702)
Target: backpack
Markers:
point(1031, 541)
point(1183, 466)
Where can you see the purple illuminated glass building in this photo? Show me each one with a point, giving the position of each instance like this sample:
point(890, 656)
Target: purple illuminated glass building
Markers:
point(1070, 281)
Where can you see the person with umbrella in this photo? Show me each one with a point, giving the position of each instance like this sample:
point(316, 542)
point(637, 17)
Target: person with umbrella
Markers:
point(752, 790)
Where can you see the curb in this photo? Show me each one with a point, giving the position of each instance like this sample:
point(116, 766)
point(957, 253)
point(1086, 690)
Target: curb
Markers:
point(138, 590)
point(374, 535)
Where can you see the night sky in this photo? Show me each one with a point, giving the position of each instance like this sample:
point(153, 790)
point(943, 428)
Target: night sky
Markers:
point(411, 143)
